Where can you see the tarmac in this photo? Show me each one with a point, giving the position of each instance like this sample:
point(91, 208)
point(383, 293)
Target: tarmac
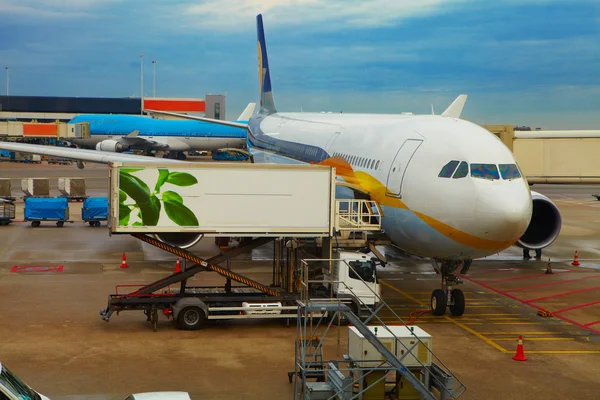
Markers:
point(53, 282)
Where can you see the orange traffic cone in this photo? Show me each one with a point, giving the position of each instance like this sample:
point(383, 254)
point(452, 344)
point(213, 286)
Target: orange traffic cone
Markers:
point(549, 268)
point(576, 259)
point(177, 266)
point(520, 355)
point(124, 261)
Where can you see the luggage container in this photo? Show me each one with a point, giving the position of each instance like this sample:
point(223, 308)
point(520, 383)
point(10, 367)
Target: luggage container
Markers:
point(95, 209)
point(72, 188)
point(36, 187)
point(47, 209)
point(7, 211)
point(6, 189)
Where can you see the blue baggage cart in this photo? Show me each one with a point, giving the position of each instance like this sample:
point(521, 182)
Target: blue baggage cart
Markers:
point(95, 209)
point(38, 209)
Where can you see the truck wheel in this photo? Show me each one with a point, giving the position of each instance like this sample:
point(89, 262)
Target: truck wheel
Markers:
point(60, 224)
point(91, 223)
point(35, 223)
point(190, 318)
point(97, 223)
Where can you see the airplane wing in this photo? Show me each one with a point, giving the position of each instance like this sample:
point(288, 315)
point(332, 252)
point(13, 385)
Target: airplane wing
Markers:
point(203, 119)
point(455, 109)
point(102, 157)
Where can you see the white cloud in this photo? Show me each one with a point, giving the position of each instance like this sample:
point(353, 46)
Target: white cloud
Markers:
point(232, 14)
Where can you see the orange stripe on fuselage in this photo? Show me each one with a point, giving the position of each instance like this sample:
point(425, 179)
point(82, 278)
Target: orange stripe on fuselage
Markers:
point(378, 191)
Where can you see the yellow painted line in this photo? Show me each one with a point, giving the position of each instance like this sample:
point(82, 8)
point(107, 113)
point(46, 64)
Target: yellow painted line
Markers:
point(516, 323)
point(470, 306)
point(460, 325)
point(527, 339)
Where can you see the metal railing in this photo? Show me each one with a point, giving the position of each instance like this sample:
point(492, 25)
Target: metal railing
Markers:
point(436, 377)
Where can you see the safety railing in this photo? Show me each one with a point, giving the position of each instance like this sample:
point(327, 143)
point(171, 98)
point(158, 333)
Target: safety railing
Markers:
point(322, 272)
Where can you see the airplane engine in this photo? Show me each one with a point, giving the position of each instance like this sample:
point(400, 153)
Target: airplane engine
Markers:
point(544, 226)
point(183, 240)
point(112, 146)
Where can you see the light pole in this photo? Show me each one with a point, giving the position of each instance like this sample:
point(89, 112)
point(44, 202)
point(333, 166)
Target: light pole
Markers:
point(153, 78)
point(142, 83)
point(7, 80)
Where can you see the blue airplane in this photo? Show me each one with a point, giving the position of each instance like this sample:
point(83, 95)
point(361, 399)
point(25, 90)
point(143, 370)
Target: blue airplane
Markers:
point(120, 133)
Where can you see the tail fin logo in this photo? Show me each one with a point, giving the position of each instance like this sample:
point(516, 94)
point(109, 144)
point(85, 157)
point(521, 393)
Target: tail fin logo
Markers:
point(261, 73)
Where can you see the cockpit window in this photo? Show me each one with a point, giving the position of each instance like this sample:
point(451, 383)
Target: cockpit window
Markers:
point(461, 171)
point(485, 171)
point(509, 171)
point(448, 169)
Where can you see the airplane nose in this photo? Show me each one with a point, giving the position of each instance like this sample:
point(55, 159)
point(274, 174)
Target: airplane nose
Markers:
point(504, 212)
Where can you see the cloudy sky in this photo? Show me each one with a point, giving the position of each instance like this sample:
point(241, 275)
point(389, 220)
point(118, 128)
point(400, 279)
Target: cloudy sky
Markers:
point(522, 62)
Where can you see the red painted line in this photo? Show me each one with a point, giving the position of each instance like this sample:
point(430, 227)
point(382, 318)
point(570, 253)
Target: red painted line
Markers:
point(30, 268)
point(530, 305)
point(552, 283)
point(527, 277)
point(563, 294)
point(576, 307)
point(592, 323)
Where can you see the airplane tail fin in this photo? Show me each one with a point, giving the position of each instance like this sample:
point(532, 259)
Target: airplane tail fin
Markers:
point(455, 109)
point(267, 104)
point(247, 113)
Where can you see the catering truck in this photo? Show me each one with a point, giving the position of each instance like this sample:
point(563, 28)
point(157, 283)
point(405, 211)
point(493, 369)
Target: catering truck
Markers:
point(173, 207)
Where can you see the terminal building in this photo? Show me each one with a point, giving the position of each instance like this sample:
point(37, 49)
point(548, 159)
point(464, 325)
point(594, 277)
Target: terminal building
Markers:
point(46, 116)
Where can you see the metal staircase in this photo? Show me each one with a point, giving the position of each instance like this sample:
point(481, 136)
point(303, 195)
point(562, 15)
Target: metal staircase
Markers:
point(344, 377)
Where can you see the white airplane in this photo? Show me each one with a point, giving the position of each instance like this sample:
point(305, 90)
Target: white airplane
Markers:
point(450, 190)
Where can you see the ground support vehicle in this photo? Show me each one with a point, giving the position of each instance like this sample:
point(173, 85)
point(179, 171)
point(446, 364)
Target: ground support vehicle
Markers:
point(94, 210)
point(191, 307)
point(174, 207)
point(7, 211)
point(42, 209)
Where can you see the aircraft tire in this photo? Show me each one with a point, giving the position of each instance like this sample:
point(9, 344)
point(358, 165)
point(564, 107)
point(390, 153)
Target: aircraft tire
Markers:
point(438, 302)
point(458, 308)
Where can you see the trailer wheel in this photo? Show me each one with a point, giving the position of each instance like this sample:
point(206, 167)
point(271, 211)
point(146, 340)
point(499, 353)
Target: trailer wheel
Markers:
point(60, 223)
point(35, 223)
point(91, 223)
point(97, 223)
point(190, 318)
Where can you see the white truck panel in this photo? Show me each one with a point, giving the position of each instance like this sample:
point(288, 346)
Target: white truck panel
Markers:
point(225, 198)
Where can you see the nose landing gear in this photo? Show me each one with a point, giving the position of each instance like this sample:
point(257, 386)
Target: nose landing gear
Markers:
point(448, 296)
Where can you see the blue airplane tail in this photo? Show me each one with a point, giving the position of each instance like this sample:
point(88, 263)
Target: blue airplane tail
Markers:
point(267, 104)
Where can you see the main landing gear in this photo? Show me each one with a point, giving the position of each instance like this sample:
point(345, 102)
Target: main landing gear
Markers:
point(448, 296)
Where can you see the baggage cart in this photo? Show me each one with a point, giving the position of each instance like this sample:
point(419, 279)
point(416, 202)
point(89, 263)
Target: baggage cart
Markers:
point(47, 209)
point(94, 210)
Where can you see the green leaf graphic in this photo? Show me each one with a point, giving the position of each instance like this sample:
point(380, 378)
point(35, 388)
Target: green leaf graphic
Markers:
point(124, 214)
point(122, 196)
point(134, 187)
point(181, 179)
point(171, 197)
point(137, 224)
point(163, 174)
point(180, 214)
point(150, 211)
point(130, 170)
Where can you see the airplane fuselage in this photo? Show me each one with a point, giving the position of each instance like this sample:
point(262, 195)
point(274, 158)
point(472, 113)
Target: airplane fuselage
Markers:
point(174, 135)
point(397, 160)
